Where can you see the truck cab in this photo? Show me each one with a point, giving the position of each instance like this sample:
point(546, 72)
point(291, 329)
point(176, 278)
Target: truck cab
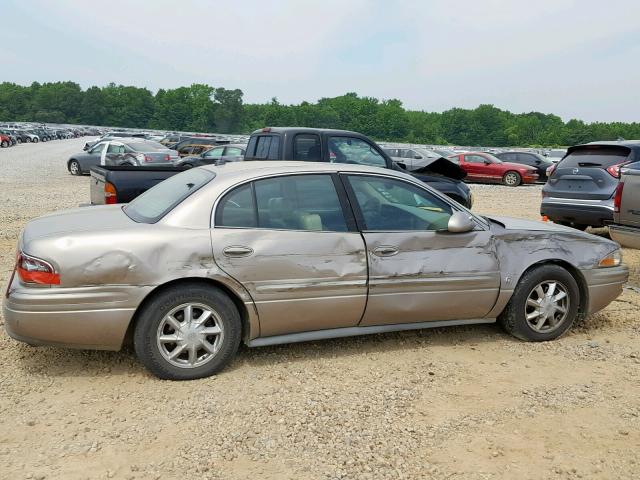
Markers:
point(342, 146)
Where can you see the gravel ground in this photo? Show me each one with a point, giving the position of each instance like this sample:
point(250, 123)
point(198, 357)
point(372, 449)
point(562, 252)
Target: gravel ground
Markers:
point(458, 403)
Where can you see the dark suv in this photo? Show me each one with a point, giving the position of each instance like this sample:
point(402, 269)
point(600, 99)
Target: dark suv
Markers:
point(535, 160)
point(580, 190)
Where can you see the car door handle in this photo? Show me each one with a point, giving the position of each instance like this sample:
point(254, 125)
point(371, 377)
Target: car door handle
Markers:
point(237, 251)
point(385, 251)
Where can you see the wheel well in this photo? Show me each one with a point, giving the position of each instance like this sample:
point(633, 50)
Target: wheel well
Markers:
point(577, 276)
point(242, 309)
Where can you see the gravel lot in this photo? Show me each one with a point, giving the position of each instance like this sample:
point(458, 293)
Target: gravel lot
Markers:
point(454, 403)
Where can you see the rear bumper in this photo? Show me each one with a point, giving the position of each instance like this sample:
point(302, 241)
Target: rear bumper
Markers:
point(625, 236)
point(86, 317)
point(604, 285)
point(593, 213)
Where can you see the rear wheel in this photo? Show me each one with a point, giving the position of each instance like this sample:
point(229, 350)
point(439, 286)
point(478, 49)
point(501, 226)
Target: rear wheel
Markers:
point(19, 141)
point(28, 139)
point(512, 179)
point(543, 306)
point(187, 332)
point(74, 167)
point(4, 144)
point(187, 165)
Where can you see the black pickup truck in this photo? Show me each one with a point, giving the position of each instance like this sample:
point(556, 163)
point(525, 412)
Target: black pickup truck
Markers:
point(123, 184)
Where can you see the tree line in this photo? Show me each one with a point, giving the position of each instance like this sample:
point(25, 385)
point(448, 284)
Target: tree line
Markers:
point(202, 108)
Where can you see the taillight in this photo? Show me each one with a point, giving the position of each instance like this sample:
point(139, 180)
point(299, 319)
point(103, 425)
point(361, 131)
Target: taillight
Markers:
point(167, 158)
point(110, 195)
point(614, 170)
point(35, 270)
point(147, 158)
point(551, 169)
point(617, 197)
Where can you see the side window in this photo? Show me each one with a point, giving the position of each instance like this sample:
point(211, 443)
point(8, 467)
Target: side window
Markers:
point(299, 202)
point(410, 154)
point(267, 147)
point(473, 159)
point(185, 150)
point(236, 209)
point(393, 205)
point(113, 148)
point(233, 152)
point(214, 153)
point(354, 150)
point(306, 147)
point(525, 159)
point(98, 148)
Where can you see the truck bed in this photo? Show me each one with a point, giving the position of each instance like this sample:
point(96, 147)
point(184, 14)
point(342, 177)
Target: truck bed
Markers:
point(128, 181)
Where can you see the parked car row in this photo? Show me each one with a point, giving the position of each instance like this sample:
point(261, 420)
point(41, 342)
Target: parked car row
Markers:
point(16, 134)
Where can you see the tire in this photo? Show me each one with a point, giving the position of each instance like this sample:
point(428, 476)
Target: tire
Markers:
point(74, 168)
point(4, 144)
point(157, 317)
point(514, 317)
point(186, 165)
point(512, 179)
point(28, 139)
point(35, 140)
point(18, 141)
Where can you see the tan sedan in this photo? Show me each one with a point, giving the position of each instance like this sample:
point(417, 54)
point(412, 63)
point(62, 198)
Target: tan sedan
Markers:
point(277, 252)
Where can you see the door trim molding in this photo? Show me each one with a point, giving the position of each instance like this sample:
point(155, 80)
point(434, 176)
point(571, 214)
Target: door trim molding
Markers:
point(354, 331)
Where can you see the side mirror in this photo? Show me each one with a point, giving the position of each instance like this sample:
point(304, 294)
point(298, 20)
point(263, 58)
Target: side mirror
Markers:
point(460, 222)
point(487, 162)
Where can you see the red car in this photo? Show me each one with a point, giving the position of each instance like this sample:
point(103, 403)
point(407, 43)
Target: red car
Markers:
point(4, 141)
point(485, 168)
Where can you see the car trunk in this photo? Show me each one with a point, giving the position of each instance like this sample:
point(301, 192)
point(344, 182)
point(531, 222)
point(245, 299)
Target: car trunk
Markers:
point(587, 172)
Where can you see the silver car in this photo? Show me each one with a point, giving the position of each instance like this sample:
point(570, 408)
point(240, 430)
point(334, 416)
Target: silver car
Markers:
point(277, 252)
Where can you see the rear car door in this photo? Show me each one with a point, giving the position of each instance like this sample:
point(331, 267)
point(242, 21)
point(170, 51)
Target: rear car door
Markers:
point(114, 154)
point(292, 242)
point(213, 155)
point(418, 271)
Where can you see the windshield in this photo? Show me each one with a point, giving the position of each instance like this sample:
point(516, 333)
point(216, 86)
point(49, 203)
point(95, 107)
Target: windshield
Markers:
point(156, 202)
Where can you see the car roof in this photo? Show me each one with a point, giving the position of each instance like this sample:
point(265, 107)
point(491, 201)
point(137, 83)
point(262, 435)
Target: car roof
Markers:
point(635, 144)
point(268, 130)
point(258, 168)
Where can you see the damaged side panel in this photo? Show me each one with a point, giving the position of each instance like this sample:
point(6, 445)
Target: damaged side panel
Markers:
point(299, 280)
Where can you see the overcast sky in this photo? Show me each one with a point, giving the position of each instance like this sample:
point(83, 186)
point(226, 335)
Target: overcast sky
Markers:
point(574, 58)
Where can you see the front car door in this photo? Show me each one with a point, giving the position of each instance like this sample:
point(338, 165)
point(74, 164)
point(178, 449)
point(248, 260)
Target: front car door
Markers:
point(476, 166)
point(418, 271)
point(292, 242)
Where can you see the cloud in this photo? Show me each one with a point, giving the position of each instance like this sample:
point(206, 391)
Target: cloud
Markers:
point(574, 58)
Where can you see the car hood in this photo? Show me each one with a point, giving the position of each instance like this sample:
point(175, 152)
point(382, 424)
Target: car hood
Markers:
point(83, 219)
point(521, 224)
point(442, 166)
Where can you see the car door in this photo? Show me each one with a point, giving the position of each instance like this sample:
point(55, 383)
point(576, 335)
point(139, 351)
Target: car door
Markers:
point(114, 153)
point(630, 200)
point(92, 157)
point(292, 242)
point(474, 166)
point(418, 271)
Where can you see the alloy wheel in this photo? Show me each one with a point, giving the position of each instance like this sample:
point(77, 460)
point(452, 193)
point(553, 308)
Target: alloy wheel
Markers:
point(547, 306)
point(190, 335)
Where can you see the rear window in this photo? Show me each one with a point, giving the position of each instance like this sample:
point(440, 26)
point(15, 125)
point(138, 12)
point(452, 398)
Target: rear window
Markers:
point(156, 202)
point(596, 156)
point(147, 146)
point(267, 147)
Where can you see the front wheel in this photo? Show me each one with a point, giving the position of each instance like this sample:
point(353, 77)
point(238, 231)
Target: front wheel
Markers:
point(4, 144)
point(74, 167)
point(187, 332)
point(543, 306)
point(187, 165)
point(512, 179)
